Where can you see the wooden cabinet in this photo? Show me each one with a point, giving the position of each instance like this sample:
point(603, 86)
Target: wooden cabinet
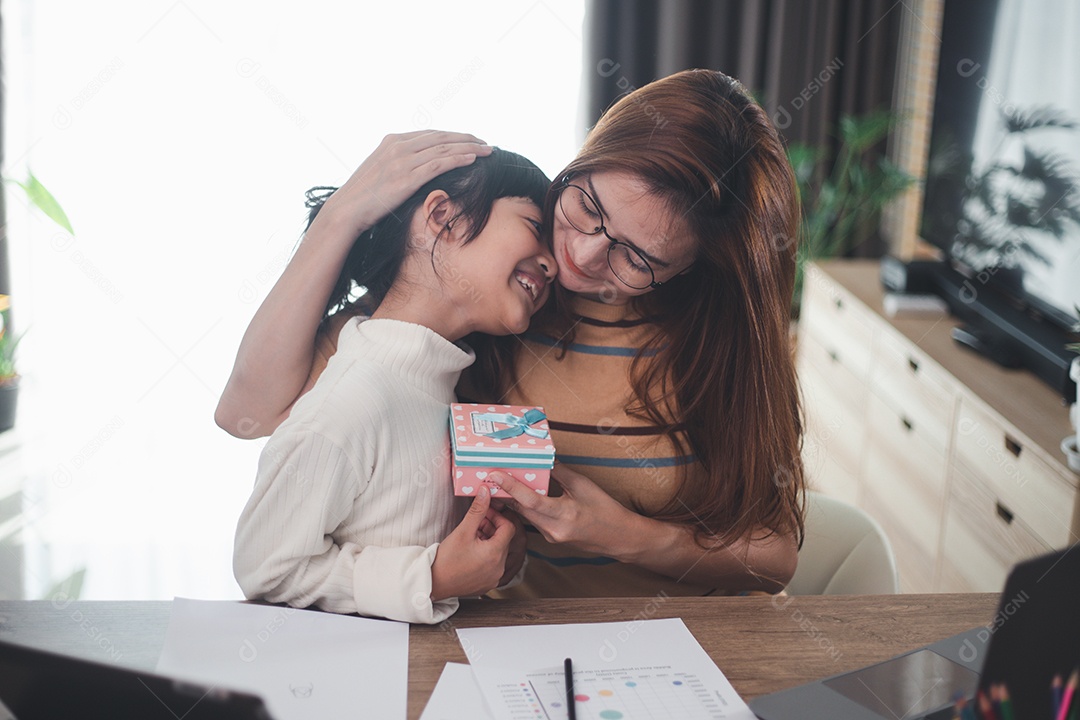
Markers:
point(903, 488)
point(956, 458)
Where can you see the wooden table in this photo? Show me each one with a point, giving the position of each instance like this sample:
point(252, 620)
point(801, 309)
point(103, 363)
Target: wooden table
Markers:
point(762, 644)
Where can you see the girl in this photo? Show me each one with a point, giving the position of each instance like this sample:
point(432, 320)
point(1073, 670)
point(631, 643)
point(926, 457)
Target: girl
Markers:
point(666, 370)
point(353, 492)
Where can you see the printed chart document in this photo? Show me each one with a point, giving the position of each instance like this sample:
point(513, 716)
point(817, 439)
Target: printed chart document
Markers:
point(456, 696)
point(622, 671)
point(303, 663)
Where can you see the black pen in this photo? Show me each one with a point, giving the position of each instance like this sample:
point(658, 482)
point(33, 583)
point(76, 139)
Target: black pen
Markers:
point(568, 670)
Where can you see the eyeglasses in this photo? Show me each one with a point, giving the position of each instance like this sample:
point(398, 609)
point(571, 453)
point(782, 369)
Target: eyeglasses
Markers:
point(583, 214)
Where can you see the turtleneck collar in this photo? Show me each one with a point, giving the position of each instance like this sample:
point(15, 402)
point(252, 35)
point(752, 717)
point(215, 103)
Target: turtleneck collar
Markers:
point(416, 354)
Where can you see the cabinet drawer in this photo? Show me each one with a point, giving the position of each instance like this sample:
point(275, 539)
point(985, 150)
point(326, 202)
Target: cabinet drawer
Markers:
point(838, 321)
point(914, 387)
point(982, 540)
point(903, 489)
point(832, 380)
point(1021, 481)
point(835, 434)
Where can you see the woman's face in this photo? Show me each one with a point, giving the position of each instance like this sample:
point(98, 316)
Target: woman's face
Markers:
point(629, 214)
point(504, 275)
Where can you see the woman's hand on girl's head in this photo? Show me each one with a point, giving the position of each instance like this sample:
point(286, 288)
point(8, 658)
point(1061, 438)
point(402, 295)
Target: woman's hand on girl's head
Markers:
point(583, 515)
point(473, 558)
point(398, 167)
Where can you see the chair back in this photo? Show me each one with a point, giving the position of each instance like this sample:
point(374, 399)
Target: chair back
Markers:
point(845, 552)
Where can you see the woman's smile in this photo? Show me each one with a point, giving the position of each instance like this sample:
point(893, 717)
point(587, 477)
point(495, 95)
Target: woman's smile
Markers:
point(569, 264)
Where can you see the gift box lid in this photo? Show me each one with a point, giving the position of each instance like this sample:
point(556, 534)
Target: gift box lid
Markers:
point(484, 435)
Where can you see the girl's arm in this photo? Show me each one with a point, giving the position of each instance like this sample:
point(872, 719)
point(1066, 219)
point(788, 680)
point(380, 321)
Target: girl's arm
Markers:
point(276, 354)
point(589, 519)
point(286, 551)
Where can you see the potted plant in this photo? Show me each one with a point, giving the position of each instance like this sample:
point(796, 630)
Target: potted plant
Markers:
point(843, 209)
point(1071, 444)
point(43, 200)
point(9, 379)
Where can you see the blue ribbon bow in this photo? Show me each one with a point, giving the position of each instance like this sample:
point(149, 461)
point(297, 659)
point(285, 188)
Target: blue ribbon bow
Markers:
point(518, 425)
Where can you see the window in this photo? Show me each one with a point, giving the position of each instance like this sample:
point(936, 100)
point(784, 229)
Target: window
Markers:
point(180, 138)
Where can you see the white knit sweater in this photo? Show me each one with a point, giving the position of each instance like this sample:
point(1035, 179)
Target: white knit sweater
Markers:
point(353, 491)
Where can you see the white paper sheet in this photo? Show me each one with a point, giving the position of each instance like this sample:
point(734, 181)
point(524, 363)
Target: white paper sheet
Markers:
point(456, 696)
point(303, 663)
point(642, 669)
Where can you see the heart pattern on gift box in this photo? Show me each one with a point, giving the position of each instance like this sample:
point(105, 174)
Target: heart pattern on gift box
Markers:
point(476, 449)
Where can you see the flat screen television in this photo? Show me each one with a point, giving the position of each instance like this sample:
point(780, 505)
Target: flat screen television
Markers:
point(1002, 195)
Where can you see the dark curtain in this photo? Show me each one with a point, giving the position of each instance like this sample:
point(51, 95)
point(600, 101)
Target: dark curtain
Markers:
point(807, 61)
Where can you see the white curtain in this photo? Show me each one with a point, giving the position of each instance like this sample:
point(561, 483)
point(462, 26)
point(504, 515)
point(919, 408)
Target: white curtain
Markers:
point(1035, 61)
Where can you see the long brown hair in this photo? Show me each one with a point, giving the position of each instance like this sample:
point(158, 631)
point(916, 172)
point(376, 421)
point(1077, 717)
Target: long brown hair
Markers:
point(720, 359)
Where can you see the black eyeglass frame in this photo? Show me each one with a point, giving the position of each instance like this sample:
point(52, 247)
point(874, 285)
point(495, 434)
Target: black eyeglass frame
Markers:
point(565, 183)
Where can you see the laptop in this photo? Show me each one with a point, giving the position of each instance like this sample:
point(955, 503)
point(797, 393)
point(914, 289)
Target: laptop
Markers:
point(1034, 636)
point(40, 685)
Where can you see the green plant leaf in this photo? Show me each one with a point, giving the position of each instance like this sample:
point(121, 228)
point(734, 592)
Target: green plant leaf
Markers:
point(804, 160)
point(842, 209)
point(69, 588)
point(862, 133)
point(44, 201)
point(8, 345)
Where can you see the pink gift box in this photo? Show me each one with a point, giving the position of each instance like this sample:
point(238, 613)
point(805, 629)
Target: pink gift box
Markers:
point(510, 438)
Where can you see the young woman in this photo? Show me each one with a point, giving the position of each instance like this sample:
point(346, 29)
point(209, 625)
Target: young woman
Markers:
point(665, 368)
point(350, 512)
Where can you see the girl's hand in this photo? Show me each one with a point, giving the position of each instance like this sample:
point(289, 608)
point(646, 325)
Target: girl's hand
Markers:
point(472, 558)
point(584, 516)
point(515, 557)
point(395, 170)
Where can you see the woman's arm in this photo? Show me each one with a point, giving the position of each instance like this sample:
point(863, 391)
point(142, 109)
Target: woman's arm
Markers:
point(589, 519)
point(274, 362)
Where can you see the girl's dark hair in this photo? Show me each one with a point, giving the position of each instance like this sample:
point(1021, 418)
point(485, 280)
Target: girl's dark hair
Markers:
point(376, 256)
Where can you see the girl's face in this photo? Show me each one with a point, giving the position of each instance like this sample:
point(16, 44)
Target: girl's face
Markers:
point(504, 275)
point(622, 204)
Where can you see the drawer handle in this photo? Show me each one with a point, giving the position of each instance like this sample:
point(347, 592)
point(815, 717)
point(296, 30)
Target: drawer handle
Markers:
point(833, 356)
point(1014, 447)
point(913, 364)
point(839, 304)
point(1004, 514)
point(908, 425)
